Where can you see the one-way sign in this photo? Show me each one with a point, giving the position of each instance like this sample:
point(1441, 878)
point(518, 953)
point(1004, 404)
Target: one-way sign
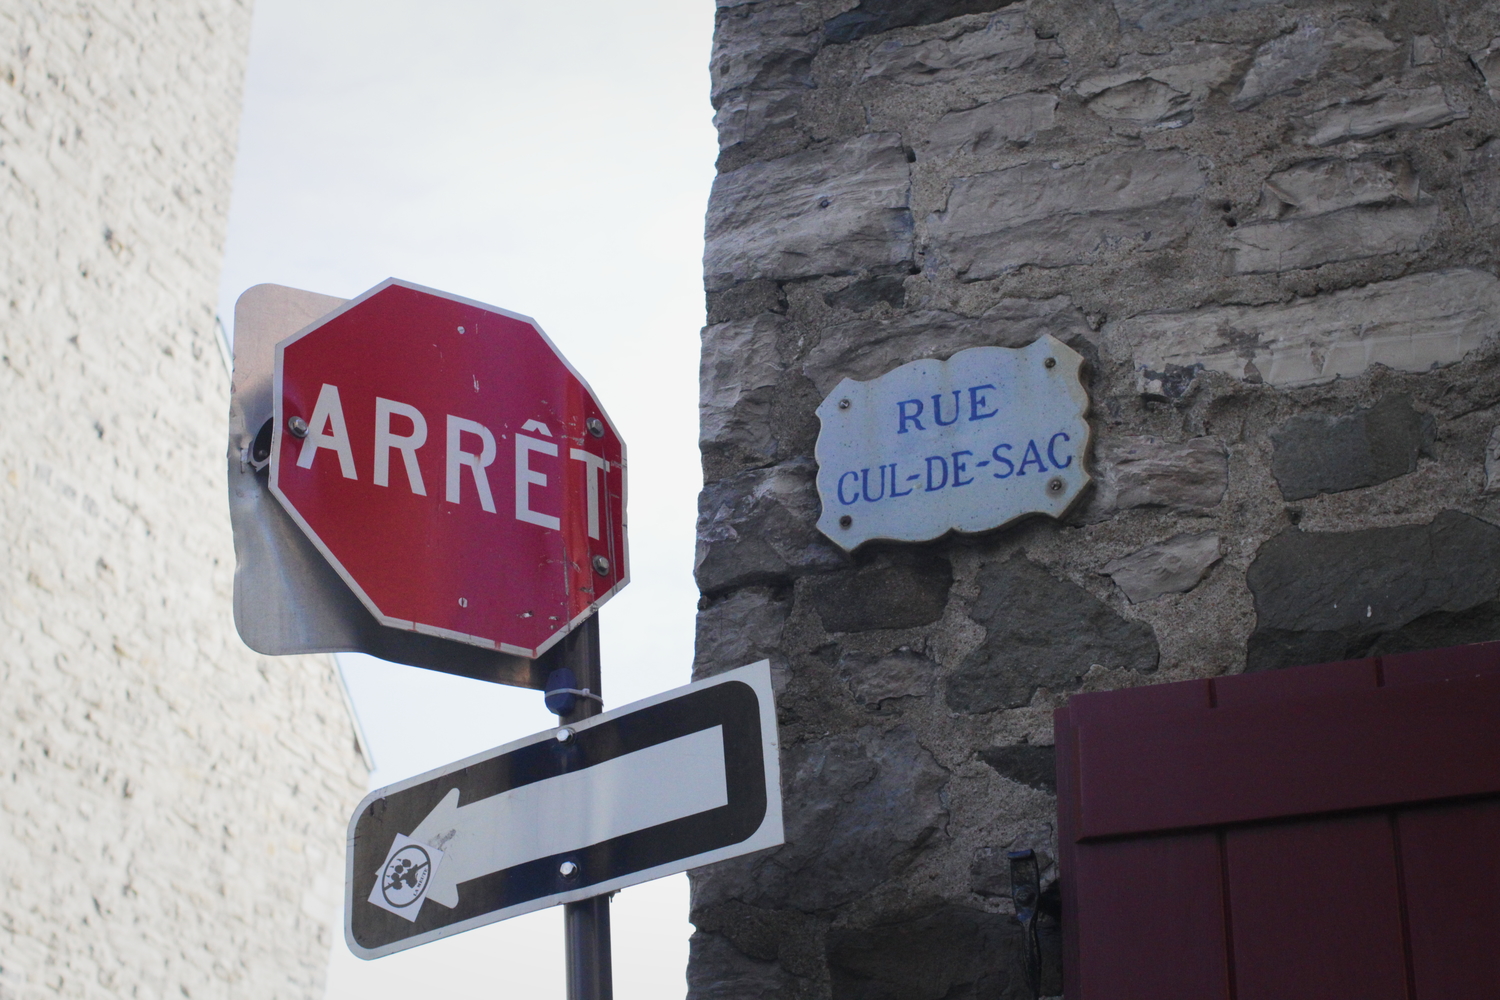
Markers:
point(679, 780)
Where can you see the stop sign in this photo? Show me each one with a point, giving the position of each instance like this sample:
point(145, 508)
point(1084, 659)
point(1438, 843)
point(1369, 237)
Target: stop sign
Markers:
point(452, 466)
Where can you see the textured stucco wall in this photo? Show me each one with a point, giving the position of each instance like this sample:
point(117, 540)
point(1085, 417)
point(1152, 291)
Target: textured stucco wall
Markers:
point(172, 806)
point(1272, 229)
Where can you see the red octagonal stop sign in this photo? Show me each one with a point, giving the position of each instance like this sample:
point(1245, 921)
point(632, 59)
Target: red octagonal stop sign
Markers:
point(452, 466)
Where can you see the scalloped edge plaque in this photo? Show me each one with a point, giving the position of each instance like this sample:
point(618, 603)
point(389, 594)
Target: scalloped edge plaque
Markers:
point(968, 444)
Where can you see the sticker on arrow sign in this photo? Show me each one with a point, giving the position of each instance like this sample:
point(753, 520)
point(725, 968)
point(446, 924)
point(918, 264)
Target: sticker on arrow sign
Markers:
point(402, 882)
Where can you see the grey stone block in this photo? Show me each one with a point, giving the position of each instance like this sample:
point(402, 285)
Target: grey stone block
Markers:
point(952, 952)
point(1026, 764)
point(874, 680)
point(1316, 453)
point(1414, 324)
point(1154, 87)
point(738, 372)
point(1041, 632)
point(1010, 121)
point(1145, 471)
point(899, 588)
point(759, 527)
point(762, 47)
point(1143, 101)
point(867, 348)
point(1492, 462)
point(745, 301)
point(1317, 186)
point(1152, 16)
point(760, 68)
point(1174, 566)
point(1312, 50)
point(1487, 61)
point(1391, 111)
point(746, 115)
point(989, 872)
point(1481, 184)
point(717, 970)
point(1425, 50)
point(741, 628)
point(867, 293)
point(1051, 215)
point(1171, 383)
point(1323, 596)
point(1006, 46)
point(835, 209)
point(857, 807)
point(1352, 234)
point(871, 17)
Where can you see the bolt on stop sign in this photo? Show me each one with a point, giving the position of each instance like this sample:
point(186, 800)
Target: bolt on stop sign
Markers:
point(452, 466)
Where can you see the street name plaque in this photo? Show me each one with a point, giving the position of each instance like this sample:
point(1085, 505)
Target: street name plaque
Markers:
point(966, 444)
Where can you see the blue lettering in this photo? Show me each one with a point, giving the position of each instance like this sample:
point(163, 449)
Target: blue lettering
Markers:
point(976, 401)
point(841, 488)
point(937, 409)
point(1052, 457)
point(959, 467)
point(1032, 457)
point(901, 412)
point(866, 491)
point(1010, 467)
point(894, 492)
point(940, 460)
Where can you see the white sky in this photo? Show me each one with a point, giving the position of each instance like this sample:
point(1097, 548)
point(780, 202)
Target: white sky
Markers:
point(554, 160)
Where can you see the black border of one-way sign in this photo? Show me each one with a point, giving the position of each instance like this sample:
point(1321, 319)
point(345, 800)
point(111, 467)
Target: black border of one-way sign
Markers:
point(402, 834)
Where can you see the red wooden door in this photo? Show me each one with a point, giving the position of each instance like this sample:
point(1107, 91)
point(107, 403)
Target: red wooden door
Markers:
point(1318, 833)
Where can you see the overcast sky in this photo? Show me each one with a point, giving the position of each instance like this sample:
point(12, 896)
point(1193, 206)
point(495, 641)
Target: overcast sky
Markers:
point(555, 161)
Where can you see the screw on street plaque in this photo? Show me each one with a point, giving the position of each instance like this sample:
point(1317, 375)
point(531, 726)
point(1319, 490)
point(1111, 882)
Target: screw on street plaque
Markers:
point(451, 466)
point(967, 444)
point(679, 780)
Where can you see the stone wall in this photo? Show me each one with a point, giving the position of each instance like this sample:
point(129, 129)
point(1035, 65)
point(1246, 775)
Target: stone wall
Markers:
point(1272, 229)
point(173, 806)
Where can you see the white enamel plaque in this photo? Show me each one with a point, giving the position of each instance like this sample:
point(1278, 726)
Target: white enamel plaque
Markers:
point(967, 444)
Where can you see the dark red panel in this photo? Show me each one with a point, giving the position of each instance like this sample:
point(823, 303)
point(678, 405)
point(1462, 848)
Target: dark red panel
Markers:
point(1139, 702)
point(1296, 757)
point(1149, 922)
point(1441, 664)
point(1065, 736)
point(1451, 862)
point(1316, 911)
point(1294, 682)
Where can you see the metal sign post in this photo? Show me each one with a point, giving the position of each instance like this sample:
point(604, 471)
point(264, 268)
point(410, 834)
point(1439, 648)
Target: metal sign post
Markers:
point(426, 478)
point(575, 677)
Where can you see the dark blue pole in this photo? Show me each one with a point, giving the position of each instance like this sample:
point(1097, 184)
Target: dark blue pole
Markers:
point(574, 668)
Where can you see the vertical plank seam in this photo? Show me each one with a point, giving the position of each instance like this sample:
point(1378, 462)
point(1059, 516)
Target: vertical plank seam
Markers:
point(1407, 957)
point(1379, 672)
point(1229, 967)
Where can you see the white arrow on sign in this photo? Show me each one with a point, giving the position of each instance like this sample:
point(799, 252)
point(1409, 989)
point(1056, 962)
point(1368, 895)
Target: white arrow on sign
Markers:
point(682, 779)
point(572, 811)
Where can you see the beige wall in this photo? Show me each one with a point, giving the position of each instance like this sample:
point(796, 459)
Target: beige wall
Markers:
point(171, 805)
